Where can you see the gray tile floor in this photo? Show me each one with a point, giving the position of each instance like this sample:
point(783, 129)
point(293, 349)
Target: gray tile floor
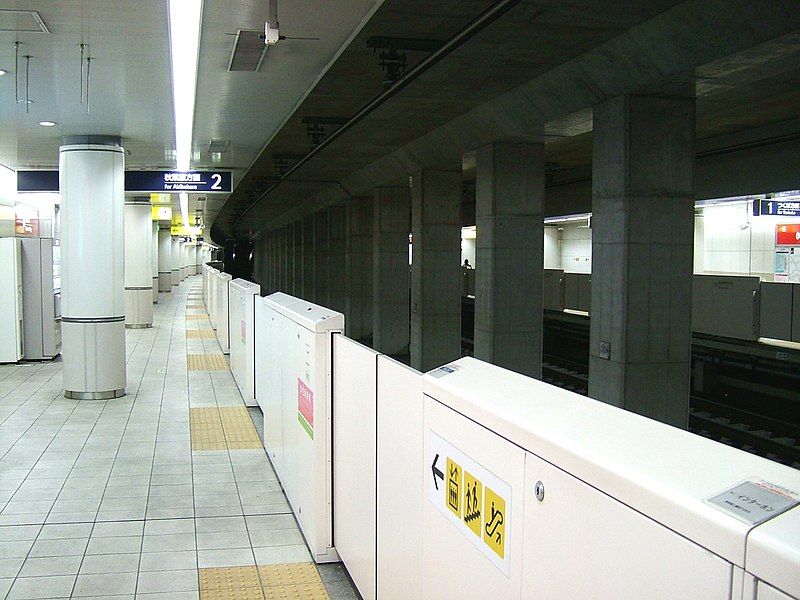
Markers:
point(106, 498)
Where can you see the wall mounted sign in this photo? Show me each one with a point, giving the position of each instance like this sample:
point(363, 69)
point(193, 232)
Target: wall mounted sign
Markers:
point(206, 182)
point(787, 235)
point(777, 208)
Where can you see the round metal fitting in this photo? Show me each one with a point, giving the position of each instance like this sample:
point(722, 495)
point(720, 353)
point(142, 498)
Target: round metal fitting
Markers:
point(539, 491)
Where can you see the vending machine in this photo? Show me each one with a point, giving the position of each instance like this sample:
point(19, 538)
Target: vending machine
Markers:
point(11, 337)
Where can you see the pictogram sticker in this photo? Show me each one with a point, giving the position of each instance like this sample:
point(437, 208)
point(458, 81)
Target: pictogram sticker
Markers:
point(472, 498)
point(494, 531)
point(454, 488)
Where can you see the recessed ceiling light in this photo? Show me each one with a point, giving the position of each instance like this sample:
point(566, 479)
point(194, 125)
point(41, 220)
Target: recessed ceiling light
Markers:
point(47, 123)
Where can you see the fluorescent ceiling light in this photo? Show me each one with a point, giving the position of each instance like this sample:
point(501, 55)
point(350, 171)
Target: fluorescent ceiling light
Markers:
point(184, 37)
point(47, 123)
point(3, 72)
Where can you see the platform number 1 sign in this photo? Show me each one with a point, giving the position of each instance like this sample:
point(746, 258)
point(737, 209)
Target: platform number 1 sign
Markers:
point(471, 497)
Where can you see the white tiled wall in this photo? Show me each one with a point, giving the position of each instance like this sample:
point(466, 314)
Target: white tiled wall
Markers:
point(736, 242)
point(552, 260)
point(575, 247)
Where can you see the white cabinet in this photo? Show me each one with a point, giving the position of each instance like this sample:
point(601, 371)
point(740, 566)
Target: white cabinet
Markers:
point(11, 329)
point(41, 299)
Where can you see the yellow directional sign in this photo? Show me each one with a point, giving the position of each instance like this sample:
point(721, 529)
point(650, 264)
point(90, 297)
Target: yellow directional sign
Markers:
point(453, 494)
point(494, 531)
point(473, 500)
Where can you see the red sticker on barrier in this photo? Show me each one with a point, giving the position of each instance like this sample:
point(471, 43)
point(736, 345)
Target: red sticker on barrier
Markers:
point(305, 406)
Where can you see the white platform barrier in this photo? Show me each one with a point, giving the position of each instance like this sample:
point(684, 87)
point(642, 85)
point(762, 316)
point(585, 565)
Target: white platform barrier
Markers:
point(400, 480)
point(221, 310)
point(355, 460)
point(211, 302)
point(726, 306)
point(293, 382)
point(378, 484)
point(242, 296)
point(579, 499)
point(475, 482)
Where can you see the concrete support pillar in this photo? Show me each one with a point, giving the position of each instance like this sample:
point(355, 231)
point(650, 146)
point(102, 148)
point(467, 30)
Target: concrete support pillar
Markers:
point(175, 260)
point(308, 258)
point(164, 259)
point(285, 261)
point(337, 259)
point(390, 270)
point(358, 315)
point(642, 236)
point(297, 266)
point(509, 198)
point(435, 269)
point(138, 263)
point(91, 180)
point(154, 261)
point(321, 271)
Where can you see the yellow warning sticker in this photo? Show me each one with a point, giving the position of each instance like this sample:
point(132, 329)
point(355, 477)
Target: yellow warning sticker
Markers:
point(473, 500)
point(454, 488)
point(494, 531)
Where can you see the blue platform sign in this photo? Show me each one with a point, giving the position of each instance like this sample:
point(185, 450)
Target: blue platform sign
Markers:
point(151, 182)
point(777, 208)
point(206, 182)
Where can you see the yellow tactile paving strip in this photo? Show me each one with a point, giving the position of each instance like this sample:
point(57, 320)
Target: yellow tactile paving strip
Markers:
point(195, 306)
point(196, 317)
point(206, 362)
point(292, 581)
point(200, 334)
point(240, 433)
point(226, 428)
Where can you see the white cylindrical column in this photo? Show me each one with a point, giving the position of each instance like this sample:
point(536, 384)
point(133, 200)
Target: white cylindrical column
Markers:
point(176, 261)
point(138, 263)
point(164, 259)
point(184, 260)
point(193, 259)
point(91, 176)
point(198, 259)
point(154, 259)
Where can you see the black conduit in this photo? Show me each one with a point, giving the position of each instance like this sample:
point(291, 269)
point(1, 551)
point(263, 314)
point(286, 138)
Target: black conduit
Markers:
point(487, 17)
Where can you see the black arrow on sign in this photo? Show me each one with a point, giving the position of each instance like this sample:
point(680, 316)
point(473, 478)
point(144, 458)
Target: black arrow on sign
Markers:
point(436, 472)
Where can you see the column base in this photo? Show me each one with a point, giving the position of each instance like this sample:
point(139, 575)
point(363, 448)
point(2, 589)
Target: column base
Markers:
point(107, 395)
point(93, 353)
point(165, 282)
point(138, 307)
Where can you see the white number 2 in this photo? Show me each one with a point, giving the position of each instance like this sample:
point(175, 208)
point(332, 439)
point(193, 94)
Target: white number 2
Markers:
point(217, 185)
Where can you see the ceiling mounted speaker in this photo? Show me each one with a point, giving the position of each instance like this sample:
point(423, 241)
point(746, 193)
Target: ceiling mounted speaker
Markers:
point(248, 51)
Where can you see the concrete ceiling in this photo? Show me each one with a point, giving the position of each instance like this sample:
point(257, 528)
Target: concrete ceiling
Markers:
point(542, 64)
point(247, 108)
point(130, 93)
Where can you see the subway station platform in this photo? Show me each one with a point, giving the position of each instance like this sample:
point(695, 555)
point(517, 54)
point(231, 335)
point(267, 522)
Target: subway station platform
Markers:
point(164, 493)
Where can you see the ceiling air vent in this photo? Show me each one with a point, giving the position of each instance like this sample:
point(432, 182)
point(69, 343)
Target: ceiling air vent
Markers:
point(248, 52)
point(218, 146)
point(21, 21)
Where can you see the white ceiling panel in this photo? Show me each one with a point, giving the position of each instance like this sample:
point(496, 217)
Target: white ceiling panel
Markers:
point(129, 84)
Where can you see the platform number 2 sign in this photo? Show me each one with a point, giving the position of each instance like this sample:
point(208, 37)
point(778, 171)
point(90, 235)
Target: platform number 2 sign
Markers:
point(471, 497)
